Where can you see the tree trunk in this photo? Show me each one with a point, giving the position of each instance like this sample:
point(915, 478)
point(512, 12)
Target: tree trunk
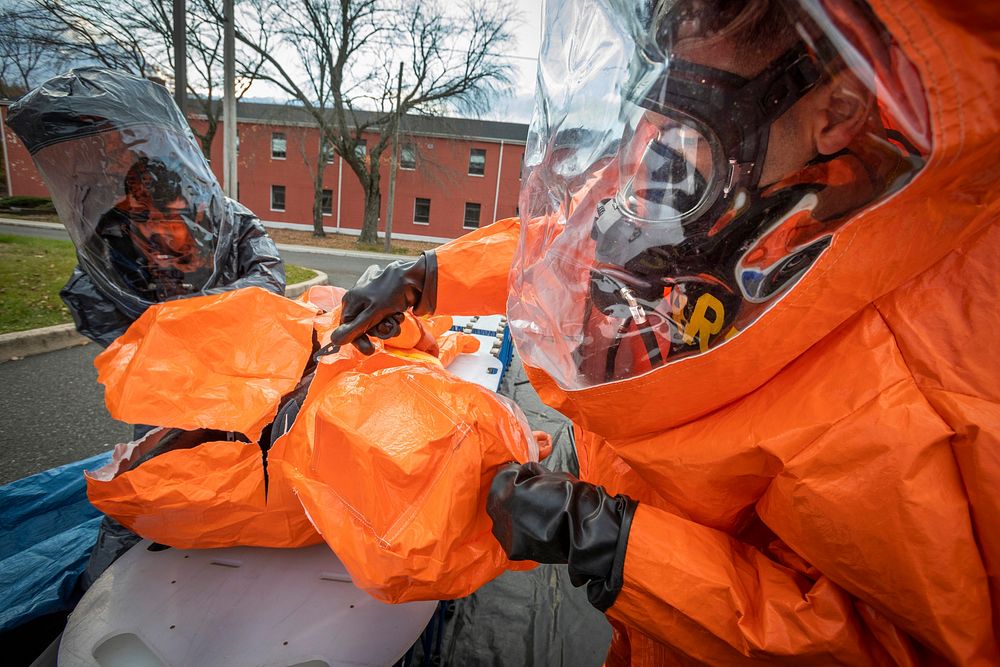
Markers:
point(206, 139)
point(318, 195)
point(206, 145)
point(373, 206)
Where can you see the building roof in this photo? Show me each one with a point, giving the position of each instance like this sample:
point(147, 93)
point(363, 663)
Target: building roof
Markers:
point(428, 126)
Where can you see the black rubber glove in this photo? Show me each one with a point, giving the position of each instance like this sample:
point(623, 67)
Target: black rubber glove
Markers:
point(552, 517)
point(374, 306)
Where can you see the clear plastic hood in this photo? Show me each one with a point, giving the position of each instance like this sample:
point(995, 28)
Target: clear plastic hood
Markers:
point(130, 183)
point(688, 164)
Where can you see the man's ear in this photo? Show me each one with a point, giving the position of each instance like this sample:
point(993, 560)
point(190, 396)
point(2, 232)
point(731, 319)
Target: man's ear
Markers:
point(842, 112)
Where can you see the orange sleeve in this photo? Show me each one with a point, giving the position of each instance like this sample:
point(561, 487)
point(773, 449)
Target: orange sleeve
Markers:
point(724, 602)
point(473, 270)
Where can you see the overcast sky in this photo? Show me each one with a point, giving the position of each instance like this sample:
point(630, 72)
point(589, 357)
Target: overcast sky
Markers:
point(516, 105)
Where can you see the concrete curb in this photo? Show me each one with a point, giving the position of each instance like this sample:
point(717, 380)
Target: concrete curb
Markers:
point(338, 252)
point(298, 289)
point(20, 344)
point(34, 224)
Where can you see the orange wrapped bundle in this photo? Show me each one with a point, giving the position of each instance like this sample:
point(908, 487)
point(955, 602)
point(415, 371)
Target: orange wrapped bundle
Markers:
point(210, 362)
point(389, 458)
point(209, 496)
point(221, 361)
point(392, 461)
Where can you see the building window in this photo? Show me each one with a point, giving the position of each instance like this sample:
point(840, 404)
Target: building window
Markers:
point(408, 158)
point(279, 145)
point(361, 150)
point(326, 204)
point(422, 211)
point(328, 153)
point(471, 216)
point(277, 197)
point(477, 162)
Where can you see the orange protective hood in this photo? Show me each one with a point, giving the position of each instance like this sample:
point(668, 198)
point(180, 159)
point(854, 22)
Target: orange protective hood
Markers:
point(954, 50)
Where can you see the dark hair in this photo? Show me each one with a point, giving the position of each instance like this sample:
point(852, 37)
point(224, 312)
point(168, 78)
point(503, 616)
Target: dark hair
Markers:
point(762, 29)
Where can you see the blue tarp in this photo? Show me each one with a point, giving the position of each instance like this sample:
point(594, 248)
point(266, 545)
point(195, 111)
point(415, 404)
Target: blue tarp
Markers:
point(49, 528)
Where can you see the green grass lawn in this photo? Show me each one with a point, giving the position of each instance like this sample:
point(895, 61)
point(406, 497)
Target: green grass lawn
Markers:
point(32, 271)
point(297, 274)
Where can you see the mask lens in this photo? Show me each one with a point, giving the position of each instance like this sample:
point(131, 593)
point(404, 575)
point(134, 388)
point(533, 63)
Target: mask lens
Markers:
point(666, 170)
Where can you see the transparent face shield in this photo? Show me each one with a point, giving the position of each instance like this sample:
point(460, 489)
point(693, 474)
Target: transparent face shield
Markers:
point(142, 207)
point(662, 212)
point(666, 168)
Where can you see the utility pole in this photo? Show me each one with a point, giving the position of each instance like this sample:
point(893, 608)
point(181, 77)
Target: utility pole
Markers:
point(180, 55)
point(229, 105)
point(395, 162)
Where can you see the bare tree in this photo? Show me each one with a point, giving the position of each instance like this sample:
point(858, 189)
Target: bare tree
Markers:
point(345, 70)
point(24, 53)
point(323, 156)
point(137, 36)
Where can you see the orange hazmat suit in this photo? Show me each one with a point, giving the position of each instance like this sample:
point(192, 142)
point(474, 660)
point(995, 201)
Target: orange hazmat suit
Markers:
point(819, 483)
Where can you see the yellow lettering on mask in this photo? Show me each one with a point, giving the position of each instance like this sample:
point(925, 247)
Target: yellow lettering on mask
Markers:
point(700, 325)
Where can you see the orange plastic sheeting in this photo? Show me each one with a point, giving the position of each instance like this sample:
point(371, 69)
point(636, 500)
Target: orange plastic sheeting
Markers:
point(393, 467)
point(221, 361)
point(207, 497)
point(455, 343)
point(390, 457)
point(417, 333)
point(325, 297)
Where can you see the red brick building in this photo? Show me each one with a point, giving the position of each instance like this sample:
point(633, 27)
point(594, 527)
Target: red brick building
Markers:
point(455, 174)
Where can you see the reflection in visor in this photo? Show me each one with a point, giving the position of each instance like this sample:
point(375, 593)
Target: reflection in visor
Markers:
point(664, 175)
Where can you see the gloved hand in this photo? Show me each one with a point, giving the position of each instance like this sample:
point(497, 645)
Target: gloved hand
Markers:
point(374, 305)
point(553, 517)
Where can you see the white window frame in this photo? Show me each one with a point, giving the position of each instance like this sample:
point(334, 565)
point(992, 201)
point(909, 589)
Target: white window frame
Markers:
point(468, 170)
point(403, 147)
point(285, 138)
point(322, 212)
point(418, 222)
point(466, 211)
point(284, 196)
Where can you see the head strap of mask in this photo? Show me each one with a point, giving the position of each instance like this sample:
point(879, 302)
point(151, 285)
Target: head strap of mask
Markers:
point(736, 111)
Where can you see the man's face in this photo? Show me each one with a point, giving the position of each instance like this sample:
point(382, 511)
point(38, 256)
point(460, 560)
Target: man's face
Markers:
point(703, 145)
point(158, 226)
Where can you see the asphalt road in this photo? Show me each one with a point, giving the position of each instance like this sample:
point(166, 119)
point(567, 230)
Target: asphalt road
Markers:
point(52, 411)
